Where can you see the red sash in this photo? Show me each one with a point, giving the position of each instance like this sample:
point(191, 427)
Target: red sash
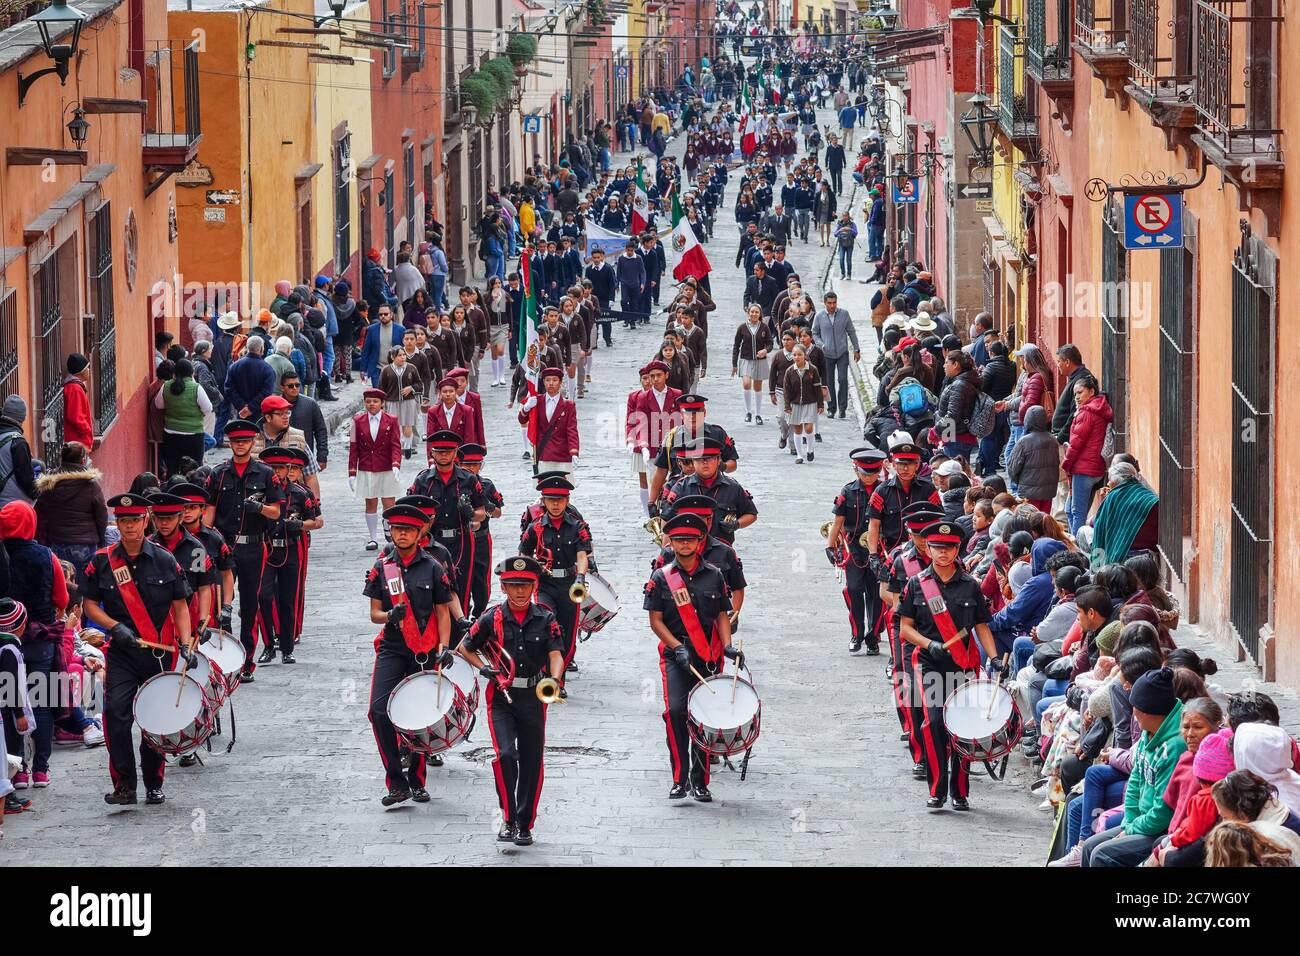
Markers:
point(193, 602)
point(417, 642)
point(964, 652)
point(705, 647)
point(912, 567)
point(130, 594)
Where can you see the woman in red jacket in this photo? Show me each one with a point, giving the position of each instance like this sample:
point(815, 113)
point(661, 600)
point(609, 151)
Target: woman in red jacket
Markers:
point(1083, 459)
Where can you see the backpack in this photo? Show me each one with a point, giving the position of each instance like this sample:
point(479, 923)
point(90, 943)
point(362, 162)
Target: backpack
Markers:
point(847, 240)
point(911, 398)
point(1108, 443)
point(982, 416)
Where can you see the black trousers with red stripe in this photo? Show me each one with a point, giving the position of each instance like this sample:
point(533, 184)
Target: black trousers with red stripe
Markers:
point(480, 587)
point(945, 768)
point(463, 549)
point(862, 593)
point(280, 595)
point(249, 559)
point(126, 668)
point(392, 664)
point(556, 597)
point(518, 729)
point(903, 681)
point(690, 764)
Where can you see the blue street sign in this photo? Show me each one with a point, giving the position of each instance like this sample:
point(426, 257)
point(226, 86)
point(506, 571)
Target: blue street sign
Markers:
point(620, 72)
point(1153, 221)
point(907, 191)
point(532, 124)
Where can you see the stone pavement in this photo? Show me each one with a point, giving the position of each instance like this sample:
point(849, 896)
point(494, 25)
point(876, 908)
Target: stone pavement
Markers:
point(828, 782)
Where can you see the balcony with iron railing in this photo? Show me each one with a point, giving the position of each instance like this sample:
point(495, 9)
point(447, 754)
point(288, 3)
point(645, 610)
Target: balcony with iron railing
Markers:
point(172, 123)
point(1101, 40)
point(1017, 111)
point(1160, 64)
point(1048, 59)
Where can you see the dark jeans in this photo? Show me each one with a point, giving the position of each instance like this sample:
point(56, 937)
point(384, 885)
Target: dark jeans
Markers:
point(438, 290)
point(992, 444)
point(837, 180)
point(837, 371)
point(38, 657)
point(1108, 848)
point(876, 243)
point(175, 447)
point(77, 555)
point(846, 262)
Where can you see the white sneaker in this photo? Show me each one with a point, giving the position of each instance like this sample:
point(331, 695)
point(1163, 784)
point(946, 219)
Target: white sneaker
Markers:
point(1047, 806)
point(1073, 858)
point(93, 736)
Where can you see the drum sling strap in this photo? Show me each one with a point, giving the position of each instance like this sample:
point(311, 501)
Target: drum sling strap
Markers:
point(964, 652)
point(704, 646)
point(130, 594)
point(193, 602)
point(419, 643)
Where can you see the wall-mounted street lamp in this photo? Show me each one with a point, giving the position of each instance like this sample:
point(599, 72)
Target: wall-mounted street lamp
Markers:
point(52, 21)
point(977, 123)
point(78, 127)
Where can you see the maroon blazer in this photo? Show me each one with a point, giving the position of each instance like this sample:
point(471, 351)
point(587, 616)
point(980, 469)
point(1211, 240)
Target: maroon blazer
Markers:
point(649, 425)
point(562, 442)
point(381, 454)
point(462, 423)
point(474, 402)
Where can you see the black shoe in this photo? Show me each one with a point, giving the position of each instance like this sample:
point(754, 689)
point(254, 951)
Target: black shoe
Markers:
point(506, 834)
point(247, 676)
point(817, 436)
point(811, 454)
point(17, 804)
point(758, 419)
point(749, 416)
point(873, 650)
point(841, 413)
point(267, 656)
point(855, 645)
point(154, 796)
point(678, 791)
point(524, 837)
point(189, 760)
point(287, 659)
point(121, 797)
point(701, 795)
point(904, 737)
point(918, 771)
point(934, 803)
point(396, 796)
point(435, 760)
point(572, 668)
point(419, 795)
point(781, 443)
point(959, 803)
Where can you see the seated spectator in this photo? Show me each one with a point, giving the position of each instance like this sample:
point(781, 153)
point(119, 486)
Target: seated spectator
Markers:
point(1238, 845)
point(1209, 755)
point(1245, 799)
point(1128, 517)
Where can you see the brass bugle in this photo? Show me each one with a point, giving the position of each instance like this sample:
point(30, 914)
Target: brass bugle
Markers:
point(578, 592)
point(825, 529)
point(548, 691)
point(655, 526)
point(863, 539)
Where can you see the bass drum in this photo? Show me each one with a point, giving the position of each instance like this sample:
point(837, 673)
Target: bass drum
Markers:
point(429, 712)
point(170, 725)
point(982, 720)
point(599, 607)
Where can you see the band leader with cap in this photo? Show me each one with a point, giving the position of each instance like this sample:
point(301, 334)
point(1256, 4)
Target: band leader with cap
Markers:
point(943, 533)
point(427, 505)
point(868, 458)
point(193, 494)
point(241, 429)
point(691, 403)
point(165, 503)
point(283, 455)
point(905, 451)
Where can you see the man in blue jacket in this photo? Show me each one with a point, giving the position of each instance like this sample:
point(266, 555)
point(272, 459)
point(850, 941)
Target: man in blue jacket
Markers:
point(249, 380)
point(382, 337)
point(848, 122)
point(876, 226)
point(1032, 601)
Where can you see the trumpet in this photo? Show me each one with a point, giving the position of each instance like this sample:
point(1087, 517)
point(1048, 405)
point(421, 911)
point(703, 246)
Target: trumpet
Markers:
point(863, 540)
point(655, 526)
point(825, 530)
point(548, 691)
point(578, 591)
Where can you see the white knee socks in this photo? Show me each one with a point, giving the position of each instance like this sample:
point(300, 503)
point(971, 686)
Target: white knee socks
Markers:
point(645, 500)
point(372, 524)
point(748, 407)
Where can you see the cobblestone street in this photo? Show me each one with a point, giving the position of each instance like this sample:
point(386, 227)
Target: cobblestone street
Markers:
point(828, 783)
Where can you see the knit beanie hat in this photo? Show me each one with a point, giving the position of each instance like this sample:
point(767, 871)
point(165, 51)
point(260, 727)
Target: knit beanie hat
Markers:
point(14, 408)
point(76, 363)
point(1099, 702)
point(1154, 692)
point(1108, 637)
point(1213, 760)
point(13, 617)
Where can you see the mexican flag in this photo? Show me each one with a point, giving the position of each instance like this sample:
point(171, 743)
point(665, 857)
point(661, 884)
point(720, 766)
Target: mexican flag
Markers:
point(748, 141)
point(527, 336)
point(693, 261)
point(640, 204)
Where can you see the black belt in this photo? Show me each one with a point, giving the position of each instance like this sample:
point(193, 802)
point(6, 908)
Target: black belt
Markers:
point(248, 539)
point(445, 532)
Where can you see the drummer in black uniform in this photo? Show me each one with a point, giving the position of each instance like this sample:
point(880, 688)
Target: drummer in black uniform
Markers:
point(410, 596)
point(852, 510)
point(688, 604)
point(244, 497)
point(219, 553)
point(459, 621)
point(943, 605)
point(538, 508)
point(885, 510)
point(733, 506)
point(200, 574)
point(134, 591)
point(529, 633)
point(286, 554)
point(461, 505)
point(714, 551)
point(471, 455)
point(907, 560)
point(689, 433)
point(561, 543)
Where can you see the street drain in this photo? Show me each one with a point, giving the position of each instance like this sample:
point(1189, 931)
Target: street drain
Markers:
point(577, 754)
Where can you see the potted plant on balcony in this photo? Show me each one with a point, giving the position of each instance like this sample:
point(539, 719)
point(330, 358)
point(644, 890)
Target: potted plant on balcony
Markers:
point(521, 48)
point(479, 96)
point(596, 12)
point(501, 75)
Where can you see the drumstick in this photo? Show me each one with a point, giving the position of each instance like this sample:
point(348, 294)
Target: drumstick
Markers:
point(703, 680)
point(740, 646)
point(186, 666)
point(954, 639)
point(993, 698)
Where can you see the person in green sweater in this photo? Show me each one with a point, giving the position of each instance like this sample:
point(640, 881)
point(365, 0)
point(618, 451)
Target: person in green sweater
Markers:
point(1158, 711)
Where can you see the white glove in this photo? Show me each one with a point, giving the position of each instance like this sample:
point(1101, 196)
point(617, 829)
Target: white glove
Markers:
point(397, 473)
point(574, 463)
point(529, 405)
point(352, 483)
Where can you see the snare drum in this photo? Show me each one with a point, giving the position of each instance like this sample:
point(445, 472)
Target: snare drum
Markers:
point(228, 652)
point(429, 712)
point(983, 720)
point(717, 724)
point(599, 606)
point(170, 728)
point(210, 677)
point(466, 678)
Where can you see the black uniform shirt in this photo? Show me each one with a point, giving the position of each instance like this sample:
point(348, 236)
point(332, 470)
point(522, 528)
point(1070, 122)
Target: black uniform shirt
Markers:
point(297, 501)
point(962, 594)
point(426, 584)
point(529, 643)
point(717, 553)
point(709, 594)
point(564, 543)
point(727, 494)
point(229, 489)
point(682, 440)
point(888, 501)
point(853, 505)
point(223, 559)
point(438, 552)
point(192, 557)
point(898, 572)
point(157, 576)
point(447, 495)
point(494, 500)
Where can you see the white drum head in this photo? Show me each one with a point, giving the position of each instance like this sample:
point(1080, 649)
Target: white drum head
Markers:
point(202, 669)
point(463, 674)
point(717, 709)
point(600, 590)
point(155, 704)
point(226, 650)
point(414, 706)
point(967, 713)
